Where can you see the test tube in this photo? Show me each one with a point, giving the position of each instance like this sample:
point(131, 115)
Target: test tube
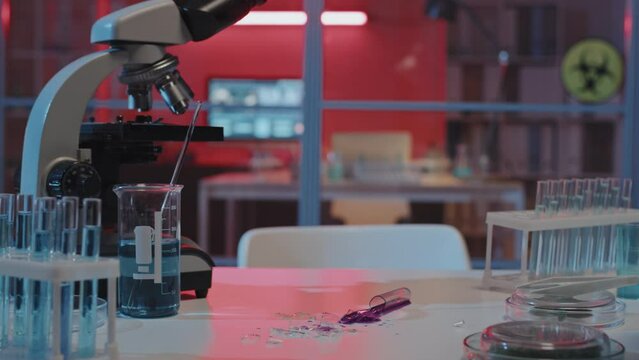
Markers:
point(91, 231)
point(563, 240)
point(626, 194)
point(603, 197)
point(599, 205)
point(549, 250)
point(542, 189)
point(40, 291)
point(389, 301)
point(607, 243)
point(24, 223)
point(590, 187)
point(577, 205)
point(7, 209)
point(66, 247)
point(576, 240)
point(566, 189)
point(7, 202)
point(587, 233)
point(552, 205)
point(537, 239)
point(613, 204)
point(614, 194)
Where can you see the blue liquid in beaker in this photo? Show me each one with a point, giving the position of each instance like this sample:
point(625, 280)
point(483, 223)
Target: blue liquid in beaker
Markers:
point(628, 292)
point(145, 298)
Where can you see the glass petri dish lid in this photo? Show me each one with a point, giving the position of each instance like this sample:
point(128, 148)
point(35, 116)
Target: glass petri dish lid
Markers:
point(590, 300)
point(101, 313)
point(520, 340)
point(598, 309)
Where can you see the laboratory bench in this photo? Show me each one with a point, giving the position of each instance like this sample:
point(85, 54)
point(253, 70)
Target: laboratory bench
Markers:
point(234, 187)
point(245, 305)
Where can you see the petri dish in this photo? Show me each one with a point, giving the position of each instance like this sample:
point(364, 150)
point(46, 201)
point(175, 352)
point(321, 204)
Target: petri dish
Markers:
point(541, 340)
point(101, 313)
point(599, 309)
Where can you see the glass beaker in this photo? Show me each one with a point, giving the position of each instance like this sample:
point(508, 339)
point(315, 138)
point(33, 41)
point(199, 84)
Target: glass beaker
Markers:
point(148, 215)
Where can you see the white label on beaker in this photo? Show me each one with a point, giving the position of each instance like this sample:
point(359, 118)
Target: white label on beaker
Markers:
point(143, 245)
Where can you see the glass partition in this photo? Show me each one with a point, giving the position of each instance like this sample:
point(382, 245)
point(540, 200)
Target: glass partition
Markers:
point(478, 89)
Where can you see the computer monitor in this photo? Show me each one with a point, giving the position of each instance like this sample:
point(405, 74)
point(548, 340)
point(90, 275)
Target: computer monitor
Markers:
point(254, 109)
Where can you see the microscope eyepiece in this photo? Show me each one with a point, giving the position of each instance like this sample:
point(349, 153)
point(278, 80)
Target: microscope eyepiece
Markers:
point(205, 18)
point(164, 75)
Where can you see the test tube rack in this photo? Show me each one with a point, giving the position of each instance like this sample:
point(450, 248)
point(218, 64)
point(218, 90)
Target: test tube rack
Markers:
point(527, 222)
point(61, 271)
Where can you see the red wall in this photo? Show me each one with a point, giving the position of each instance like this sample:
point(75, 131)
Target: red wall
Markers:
point(383, 61)
point(387, 62)
point(238, 52)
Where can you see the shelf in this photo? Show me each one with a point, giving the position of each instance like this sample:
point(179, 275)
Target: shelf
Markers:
point(472, 106)
point(209, 106)
point(615, 109)
point(515, 60)
point(486, 119)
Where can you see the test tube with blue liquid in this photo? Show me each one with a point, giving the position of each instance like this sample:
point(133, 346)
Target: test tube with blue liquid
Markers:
point(40, 291)
point(6, 234)
point(24, 224)
point(90, 250)
point(65, 249)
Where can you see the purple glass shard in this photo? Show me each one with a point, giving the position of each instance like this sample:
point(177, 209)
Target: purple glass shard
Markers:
point(360, 316)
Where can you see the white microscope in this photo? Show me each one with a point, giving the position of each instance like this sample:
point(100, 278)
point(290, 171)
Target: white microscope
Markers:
point(138, 36)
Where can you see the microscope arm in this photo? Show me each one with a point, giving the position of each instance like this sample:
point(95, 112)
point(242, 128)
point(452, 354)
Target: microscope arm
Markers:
point(148, 22)
point(182, 21)
point(137, 35)
point(53, 130)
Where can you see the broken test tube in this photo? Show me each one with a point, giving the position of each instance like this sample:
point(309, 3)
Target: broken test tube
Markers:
point(390, 301)
point(379, 305)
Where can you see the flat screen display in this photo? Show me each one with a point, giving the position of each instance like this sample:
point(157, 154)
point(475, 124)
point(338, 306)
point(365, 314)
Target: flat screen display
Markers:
point(251, 109)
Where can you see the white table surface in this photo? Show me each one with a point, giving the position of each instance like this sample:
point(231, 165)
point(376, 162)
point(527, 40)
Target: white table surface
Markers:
point(244, 301)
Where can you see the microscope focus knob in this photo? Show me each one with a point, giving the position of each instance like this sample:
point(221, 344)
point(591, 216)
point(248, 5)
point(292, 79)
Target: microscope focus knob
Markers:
point(73, 178)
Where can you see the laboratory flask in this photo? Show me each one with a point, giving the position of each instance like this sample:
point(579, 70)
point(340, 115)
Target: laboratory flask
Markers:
point(149, 249)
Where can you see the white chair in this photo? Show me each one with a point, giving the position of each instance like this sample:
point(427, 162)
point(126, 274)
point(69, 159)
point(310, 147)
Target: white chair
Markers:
point(435, 247)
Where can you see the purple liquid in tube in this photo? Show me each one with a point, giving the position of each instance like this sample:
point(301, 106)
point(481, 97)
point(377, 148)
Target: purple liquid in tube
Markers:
point(390, 306)
point(379, 305)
